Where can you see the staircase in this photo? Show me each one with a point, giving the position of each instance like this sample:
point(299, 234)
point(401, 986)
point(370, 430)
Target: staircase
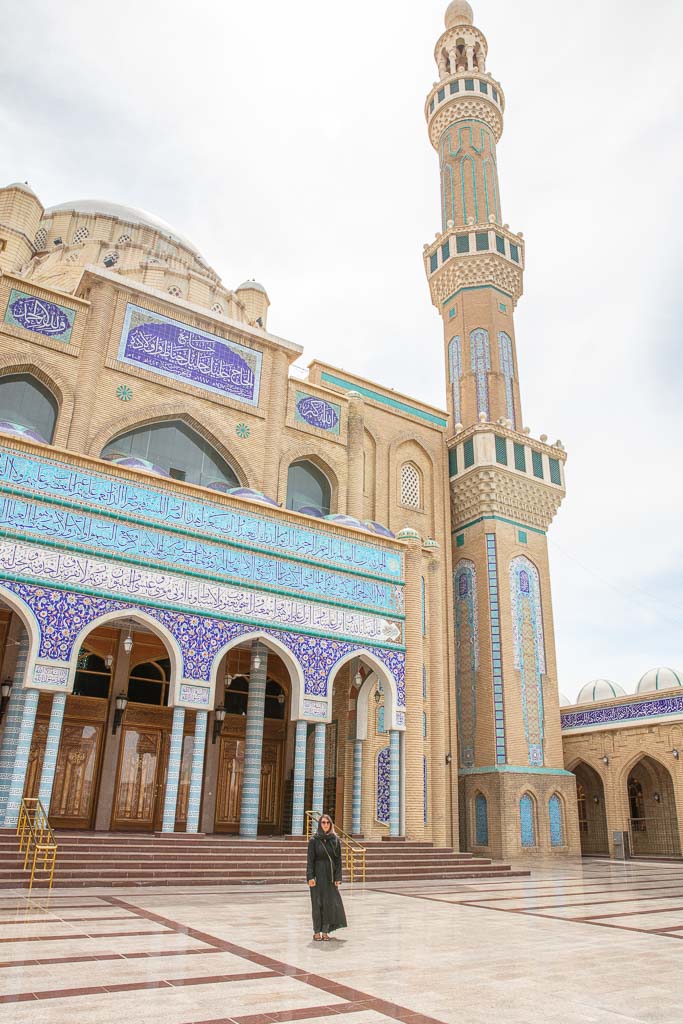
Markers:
point(116, 859)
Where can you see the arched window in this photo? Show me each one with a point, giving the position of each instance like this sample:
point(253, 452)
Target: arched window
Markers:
point(481, 820)
point(411, 488)
point(507, 366)
point(527, 821)
point(25, 401)
point(556, 821)
point(93, 677)
point(148, 683)
point(308, 487)
point(236, 699)
point(80, 235)
point(173, 446)
point(480, 360)
point(175, 291)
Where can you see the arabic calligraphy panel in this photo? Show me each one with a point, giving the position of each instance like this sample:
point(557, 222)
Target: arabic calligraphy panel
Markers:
point(316, 412)
point(189, 355)
point(40, 316)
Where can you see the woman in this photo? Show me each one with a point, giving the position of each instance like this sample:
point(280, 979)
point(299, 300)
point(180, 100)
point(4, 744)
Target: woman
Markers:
point(324, 874)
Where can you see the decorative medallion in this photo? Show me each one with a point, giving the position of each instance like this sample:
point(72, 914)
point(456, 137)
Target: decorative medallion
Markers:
point(242, 430)
point(124, 393)
point(316, 412)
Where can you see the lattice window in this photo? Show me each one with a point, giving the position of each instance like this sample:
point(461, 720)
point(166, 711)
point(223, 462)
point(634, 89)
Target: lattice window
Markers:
point(410, 486)
point(555, 475)
point(217, 308)
point(111, 259)
point(124, 238)
point(501, 450)
point(175, 291)
point(537, 463)
point(80, 236)
point(40, 239)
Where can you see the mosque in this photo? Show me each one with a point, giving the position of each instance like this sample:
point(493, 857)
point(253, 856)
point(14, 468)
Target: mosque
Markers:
point(230, 594)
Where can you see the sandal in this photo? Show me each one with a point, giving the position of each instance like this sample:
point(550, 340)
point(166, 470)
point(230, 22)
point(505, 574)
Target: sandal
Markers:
point(326, 938)
point(317, 937)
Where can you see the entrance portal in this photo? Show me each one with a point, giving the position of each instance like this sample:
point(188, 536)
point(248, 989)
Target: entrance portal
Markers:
point(592, 812)
point(653, 822)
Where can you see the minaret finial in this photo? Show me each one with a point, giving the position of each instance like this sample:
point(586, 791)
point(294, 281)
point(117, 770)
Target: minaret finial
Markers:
point(459, 12)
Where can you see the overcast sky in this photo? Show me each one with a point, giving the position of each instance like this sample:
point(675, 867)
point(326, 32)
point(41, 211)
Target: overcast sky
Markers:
point(288, 142)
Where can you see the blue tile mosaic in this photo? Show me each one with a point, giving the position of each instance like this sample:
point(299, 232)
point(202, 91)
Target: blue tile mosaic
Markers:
point(40, 316)
point(316, 412)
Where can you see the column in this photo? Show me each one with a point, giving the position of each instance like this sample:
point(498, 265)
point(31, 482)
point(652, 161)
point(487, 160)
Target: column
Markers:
point(436, 703)
point(414, 641)
point(253, 746)
point(197, 773)
point(357, 787)
point(394, 784)
point(173, 774)
point(13, 713)
point(298, 796)
point(102, 297)
point(319, 767)
point(22, 751)
point(402, 784)
point(277, 412)
point(54, 735)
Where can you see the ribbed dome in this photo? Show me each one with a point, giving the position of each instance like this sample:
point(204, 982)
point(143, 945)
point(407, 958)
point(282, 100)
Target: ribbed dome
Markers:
point(599, 689)
point(659, 679)
point(127, 214)
point(459, 13)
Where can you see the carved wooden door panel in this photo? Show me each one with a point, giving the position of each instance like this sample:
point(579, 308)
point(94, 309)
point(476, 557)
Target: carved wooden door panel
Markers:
point(35, 758)
point(229, 789)
point(271, 785)
point(139, 779)
point(75, 786)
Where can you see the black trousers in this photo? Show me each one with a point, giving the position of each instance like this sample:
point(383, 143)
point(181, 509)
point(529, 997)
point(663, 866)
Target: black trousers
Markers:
point(317, 907)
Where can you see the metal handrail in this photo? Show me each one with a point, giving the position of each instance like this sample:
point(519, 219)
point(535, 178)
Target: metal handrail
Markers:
point(36, 837)
point(354, 853)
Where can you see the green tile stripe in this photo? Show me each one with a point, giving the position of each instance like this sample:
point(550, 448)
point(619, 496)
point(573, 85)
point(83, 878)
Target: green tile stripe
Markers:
point(513, 769)
point(385, 400)
point(499, 519)
point(138, 602)
point(210, 538)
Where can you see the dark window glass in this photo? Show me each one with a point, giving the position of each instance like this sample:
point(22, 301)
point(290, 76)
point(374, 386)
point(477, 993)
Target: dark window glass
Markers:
point(25, 401)
point(483, 87)
point(500, 244)
point(441, 95)
point(237, 696)
point(445, 251)
point(468, 450)
point(148, 683)
point(520, 457)
point(469, 85)
point(494, 93)
point(176, 448)
point(514, 252)
point(555, 475)
point(501, 451)
point(482, 240)
point(453, 462)
point(433, 261)
point(455, 87)
point(462, 243)
point(307, 486)
point(537, 463)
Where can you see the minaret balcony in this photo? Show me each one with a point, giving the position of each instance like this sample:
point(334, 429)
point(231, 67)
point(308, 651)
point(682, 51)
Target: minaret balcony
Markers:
point(465, 95)
point(472, 257)
point(498, 471)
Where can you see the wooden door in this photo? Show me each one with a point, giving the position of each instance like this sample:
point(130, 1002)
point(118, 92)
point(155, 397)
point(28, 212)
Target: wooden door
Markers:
point(270, 801)
point(231, 774)
point(229, 783)
point(138, 795)
point(75, 787)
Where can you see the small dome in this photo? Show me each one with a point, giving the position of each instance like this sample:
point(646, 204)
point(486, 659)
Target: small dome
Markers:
point(23, 186)
point(659, 679)
point(311, 510)
point(254, 285)
point(251, 495)
point(18, 430)
point(564, 701)
point(383, 531)
point(343, 520)
point(133, 462)
point(459, 13)
point(599, 689)
point(408, 533)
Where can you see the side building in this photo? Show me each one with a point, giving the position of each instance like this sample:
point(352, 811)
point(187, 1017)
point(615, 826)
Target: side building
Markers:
point(224, 587)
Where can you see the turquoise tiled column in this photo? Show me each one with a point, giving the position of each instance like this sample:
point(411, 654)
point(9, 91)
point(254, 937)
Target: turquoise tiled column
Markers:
point(197, 774)
point(394, 783)
point(23, 749)
point(13, 713)
point(299, 778)
point(357, 791)
point(54, 735)
point(253, 745)
point(175, 755)
point(319, 767)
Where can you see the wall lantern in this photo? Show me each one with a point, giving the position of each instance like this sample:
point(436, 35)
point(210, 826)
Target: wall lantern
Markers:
point(657, 798)
point(256, 662)
point(218, 719)
point(128, 642)
point(121, 705)
point(5, 691)
point(605, 759)
point(449, 758)
point(675, 754)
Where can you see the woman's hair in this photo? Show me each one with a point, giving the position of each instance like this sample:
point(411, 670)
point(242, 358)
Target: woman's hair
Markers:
point(327, 817)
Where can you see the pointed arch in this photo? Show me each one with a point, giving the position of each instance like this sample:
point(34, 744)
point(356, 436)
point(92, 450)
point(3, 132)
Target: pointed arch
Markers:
point(507, 367)
point(466, 656)
point(529, 650)
point(480, 362)
point(455, 374)
point(528, 825)
point(16, 363)
point(210, 428)
point(557, 821)
point(291, 663)
point(481, 819)
point(328, 464)
point(379, 672)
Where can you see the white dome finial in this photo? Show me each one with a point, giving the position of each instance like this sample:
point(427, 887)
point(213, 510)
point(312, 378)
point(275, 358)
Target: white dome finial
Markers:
point(459, 12)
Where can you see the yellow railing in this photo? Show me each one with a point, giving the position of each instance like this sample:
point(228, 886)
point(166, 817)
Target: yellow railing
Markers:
point(353, 854)
point(37, 839)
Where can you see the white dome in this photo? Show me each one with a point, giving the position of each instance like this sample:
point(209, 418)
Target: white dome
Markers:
point(459, 13)
point(254, 285)
point(659, 679)
point(564, 701)
point(23, 186)
point(127, 214)
point(599, 689)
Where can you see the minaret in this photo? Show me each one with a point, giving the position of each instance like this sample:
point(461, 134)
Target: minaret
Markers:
point(515, 797)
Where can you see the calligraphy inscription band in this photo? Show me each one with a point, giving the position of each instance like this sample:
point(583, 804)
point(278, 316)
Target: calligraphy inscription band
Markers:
point(186, 354)
point(317, 412)
point(40, 316)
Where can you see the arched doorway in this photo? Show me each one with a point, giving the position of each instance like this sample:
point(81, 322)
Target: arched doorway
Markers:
point(592, 812)
point(111, 766)
point(229, 750)
point(653, 821)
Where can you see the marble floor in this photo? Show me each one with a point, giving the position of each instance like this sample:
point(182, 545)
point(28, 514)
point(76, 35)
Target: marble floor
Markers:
point(591, 942)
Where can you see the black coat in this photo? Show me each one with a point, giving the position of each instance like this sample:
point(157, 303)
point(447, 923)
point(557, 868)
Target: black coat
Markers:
point(325, 866)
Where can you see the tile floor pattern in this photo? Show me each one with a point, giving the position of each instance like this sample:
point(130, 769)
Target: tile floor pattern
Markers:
point(593, 942)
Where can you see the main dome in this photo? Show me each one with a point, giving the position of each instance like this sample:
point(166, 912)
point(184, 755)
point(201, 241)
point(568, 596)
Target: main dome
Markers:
point(459, 12)
point(127, 214)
